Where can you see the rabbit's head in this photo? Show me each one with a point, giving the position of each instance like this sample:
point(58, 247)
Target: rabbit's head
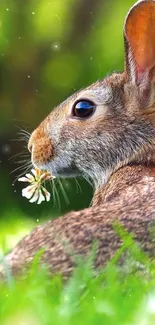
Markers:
point(110, 123)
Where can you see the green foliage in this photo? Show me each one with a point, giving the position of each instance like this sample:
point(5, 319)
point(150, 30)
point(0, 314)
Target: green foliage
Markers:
point(116, 295)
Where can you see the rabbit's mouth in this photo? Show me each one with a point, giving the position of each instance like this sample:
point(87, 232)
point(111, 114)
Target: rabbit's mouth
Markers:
point(58, 167)
point(64, 172)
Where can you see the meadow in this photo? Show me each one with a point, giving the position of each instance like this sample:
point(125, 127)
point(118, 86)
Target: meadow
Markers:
point(117, 294)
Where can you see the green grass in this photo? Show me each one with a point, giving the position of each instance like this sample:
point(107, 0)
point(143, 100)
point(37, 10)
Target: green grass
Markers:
point(123, 295)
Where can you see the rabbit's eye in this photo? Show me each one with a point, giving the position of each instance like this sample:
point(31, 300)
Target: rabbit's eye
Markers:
point(83, 108)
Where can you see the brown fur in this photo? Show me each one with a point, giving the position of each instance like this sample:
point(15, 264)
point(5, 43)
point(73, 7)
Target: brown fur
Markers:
point(44, 149)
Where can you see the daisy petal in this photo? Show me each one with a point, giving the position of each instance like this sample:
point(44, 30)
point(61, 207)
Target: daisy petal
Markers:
point(34, 172)
point(47, 194)
point(34, 197)
point(41, 198)
point(23, 179)
point(28, 191)
point(45, 176)
point(30, 177)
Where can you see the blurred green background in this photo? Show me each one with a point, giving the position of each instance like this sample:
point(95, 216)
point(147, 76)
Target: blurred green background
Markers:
point(48, 50)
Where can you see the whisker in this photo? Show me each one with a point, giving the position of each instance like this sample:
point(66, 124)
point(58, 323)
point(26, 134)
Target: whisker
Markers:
point(22, 129)
point(20, 167)
point(78, 186)
point(63, 191)
point(90, 182)
point(23, 173)
point(22, 140)
point(52, 185)
point(20, 154)
point(56, 195)
point(19, 140)
point(19, 162)
point(25, 136)
point(21, 158)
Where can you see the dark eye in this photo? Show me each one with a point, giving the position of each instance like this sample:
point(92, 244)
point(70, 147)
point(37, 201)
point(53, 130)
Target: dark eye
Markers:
point(83, 108)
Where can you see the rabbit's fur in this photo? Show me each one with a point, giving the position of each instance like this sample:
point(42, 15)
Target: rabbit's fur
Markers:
point(114, 147)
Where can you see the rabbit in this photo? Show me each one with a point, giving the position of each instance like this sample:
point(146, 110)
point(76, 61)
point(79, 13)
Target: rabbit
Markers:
point(105, 132)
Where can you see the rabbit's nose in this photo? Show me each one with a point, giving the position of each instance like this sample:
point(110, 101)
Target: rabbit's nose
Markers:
point(40, 146)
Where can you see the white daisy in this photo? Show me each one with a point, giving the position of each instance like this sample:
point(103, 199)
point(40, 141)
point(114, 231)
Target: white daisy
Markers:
point(36, 192)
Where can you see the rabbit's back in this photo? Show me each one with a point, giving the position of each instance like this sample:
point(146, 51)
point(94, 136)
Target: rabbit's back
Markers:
point(74, 234)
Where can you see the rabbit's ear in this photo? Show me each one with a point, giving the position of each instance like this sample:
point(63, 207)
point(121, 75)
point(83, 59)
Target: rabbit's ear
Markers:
point(139, 34)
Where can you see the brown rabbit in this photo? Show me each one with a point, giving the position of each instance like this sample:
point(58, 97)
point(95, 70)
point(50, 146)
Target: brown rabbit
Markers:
point(105, 132)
